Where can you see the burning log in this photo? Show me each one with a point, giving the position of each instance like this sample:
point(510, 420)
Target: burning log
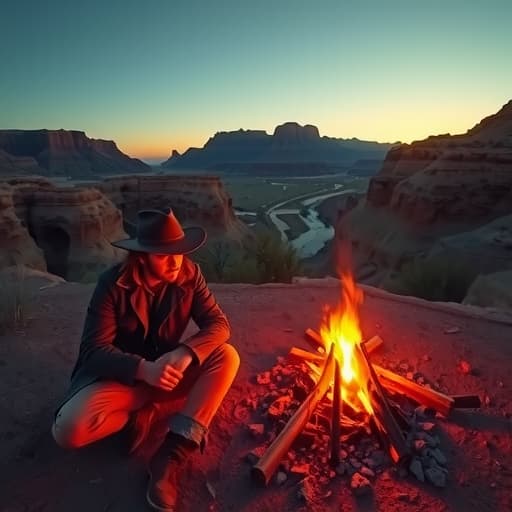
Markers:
point(266, 466)
point(336, 412)
point(425, 396)
point(315, 340)
point(387, 427)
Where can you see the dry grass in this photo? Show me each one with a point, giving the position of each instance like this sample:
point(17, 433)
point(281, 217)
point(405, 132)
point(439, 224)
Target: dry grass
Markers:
point(14, 300)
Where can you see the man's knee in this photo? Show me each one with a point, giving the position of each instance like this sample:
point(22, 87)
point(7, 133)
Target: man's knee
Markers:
point(230, 356)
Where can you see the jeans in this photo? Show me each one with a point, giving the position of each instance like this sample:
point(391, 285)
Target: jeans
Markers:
point(104, 407)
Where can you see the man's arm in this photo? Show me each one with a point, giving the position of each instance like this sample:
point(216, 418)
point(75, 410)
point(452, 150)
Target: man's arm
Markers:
point(214, 328)
point(97, 353)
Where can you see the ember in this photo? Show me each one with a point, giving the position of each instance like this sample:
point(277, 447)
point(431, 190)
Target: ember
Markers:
point(335, 400)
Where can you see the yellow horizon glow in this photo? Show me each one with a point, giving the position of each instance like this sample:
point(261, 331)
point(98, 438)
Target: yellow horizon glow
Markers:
point(370, 123)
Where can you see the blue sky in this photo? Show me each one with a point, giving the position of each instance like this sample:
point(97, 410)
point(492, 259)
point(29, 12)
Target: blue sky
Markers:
point(162, 74)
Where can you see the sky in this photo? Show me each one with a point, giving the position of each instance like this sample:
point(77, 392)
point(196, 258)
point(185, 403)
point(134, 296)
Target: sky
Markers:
point(158, 75)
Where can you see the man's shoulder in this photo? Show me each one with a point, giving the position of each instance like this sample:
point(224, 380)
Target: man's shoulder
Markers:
point(111, 274)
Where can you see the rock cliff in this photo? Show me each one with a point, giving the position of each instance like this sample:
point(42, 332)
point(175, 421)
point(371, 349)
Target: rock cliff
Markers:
point(62, 153)
point(292, 148)
point(433, 189)
point(66, 231)
point(196, 200)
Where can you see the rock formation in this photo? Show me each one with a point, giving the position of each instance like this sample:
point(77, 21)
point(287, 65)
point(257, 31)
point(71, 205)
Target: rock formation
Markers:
point(435, 189)
point(196, 200)
point(66, 231)
point(62, 153)
point(291, 149)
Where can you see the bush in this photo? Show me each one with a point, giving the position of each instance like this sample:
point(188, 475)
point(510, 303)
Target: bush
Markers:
point(14, 300)
point(435, 278)
point(264, 259)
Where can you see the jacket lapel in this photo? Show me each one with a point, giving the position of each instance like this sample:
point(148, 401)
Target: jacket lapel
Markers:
point(139, 304)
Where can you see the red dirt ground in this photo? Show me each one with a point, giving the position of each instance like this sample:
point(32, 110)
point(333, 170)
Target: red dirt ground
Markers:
point(36, 475)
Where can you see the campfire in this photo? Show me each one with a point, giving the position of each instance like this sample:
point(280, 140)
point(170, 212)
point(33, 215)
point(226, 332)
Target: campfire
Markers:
point(350, 397)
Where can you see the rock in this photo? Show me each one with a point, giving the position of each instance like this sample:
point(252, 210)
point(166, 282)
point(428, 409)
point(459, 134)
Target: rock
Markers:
point(416, 469)
point(355, 463)
point(360, 485)
point(438, 456)
point(452, 330)
point(367, 472)
point(263, 378)
point(281, 478)
point(433, 183)
point(409, 375)
point(419, 444)
point(436, 477)
point(491, 290)
point(300, 469)
point(432, 441)
point(279, 406)
point(307, 490)
point(427, 426)
point(256, 429)
point(464, 367)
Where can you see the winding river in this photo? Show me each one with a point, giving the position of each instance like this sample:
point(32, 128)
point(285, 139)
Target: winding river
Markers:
point(318, 234)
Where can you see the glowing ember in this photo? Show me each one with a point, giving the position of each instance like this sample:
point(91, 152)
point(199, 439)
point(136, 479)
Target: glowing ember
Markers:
point(341, 327)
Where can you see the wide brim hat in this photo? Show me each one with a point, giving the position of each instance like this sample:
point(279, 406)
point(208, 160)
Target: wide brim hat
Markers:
point(159, 232)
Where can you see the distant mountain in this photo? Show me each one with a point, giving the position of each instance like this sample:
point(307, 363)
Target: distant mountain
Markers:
point(62, 153)
point(291, 148)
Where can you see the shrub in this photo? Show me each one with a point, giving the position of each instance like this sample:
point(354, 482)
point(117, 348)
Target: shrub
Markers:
point(264, 259)
point(435, 278)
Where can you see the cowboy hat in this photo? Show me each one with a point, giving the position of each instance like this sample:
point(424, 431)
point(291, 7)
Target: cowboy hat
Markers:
point(159, 232)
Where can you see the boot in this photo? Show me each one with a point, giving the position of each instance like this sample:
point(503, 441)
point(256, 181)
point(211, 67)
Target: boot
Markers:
point(164, 471)
point(138, 427)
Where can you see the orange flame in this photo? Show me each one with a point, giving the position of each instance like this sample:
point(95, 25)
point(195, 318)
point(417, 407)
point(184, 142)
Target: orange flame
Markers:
point(341, 327)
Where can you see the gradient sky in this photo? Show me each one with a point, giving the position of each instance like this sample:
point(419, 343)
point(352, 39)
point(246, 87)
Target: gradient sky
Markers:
point(160, 74)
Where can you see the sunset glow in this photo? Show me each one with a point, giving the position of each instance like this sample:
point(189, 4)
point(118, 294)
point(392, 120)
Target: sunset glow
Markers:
point(168, 75)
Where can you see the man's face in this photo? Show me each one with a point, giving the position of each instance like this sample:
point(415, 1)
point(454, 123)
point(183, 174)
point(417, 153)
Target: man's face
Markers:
point(164, 267)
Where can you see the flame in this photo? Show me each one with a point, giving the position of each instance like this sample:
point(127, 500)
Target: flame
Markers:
point(340, 325)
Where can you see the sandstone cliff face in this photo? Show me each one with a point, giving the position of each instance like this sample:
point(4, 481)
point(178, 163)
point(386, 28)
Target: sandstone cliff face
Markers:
point(16, 245)
point(66, 231)
point(62, 153)
point(434, 188)
point(196, 200)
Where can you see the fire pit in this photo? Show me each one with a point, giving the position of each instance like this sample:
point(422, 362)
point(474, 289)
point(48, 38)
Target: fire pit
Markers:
point(351, 397)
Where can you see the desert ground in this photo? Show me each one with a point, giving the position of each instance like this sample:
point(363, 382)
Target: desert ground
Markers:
point(37, 475)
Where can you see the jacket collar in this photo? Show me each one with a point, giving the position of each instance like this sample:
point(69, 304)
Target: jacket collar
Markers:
point(131, 280)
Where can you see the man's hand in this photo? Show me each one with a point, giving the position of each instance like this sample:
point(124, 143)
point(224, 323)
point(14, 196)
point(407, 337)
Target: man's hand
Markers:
point(180, 358)
point(167, 371)
point(159, 374)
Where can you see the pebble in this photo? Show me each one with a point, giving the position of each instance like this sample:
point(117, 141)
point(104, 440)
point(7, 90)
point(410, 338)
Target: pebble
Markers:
point(360, 485)
point(427, 426)
point(281, 478)
point(464, 367)
point(355, 463)
point(416, 469)
point(452, 330)
point(256, 429)
point(419, 444)
point(409, 375)
point(436, 477)
point(438, 456)
point(367, 472)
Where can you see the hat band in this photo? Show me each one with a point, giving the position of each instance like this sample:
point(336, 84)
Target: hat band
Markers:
point(160, 241)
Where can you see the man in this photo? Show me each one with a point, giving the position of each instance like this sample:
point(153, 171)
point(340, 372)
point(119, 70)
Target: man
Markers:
point(131, 360)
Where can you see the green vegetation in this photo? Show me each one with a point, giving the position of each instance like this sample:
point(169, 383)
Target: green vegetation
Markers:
point(264, 259)
point(14, 300)
point(435, 278)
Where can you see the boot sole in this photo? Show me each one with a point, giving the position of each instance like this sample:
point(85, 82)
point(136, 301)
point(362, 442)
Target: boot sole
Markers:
point(154, 505)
